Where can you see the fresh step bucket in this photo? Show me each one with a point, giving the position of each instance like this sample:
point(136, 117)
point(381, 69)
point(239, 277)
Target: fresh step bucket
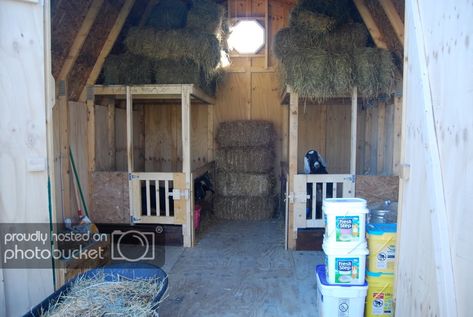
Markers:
point(345, 220)
point(382, 247)
point(339, 300)
point(379, 301)
point(345, 265)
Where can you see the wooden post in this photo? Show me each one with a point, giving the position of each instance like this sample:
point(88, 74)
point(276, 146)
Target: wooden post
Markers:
point(397, 134)
point(129, 130)
point(394, 18)
point(373, 28)
point(210, 133)
point(266, 34)
point(381, 138)
point(354, 120)
point(111, 133)
point(91, 138)
point(64, 145)
point(188, 227)
point(293, 144)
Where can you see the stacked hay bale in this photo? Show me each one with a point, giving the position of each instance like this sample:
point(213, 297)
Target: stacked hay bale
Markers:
point(323, 53)
point(181, 43)
point(245, 179)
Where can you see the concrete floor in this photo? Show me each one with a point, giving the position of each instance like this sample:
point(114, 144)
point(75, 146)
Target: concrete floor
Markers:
point(241, 269)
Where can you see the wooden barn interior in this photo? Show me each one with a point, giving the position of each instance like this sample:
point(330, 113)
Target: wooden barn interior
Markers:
point(130, 155)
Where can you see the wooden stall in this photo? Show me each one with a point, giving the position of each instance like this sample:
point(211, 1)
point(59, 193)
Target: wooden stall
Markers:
point(155, 190)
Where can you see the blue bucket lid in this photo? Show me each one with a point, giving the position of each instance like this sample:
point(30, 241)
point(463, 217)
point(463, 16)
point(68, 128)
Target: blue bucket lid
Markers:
point(320, 271)
point(381, 228)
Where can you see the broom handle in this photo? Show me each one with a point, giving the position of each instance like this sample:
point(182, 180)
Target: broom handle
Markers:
point(76, 176)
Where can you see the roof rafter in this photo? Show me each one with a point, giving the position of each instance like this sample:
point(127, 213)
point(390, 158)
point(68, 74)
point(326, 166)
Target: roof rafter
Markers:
point(80, 39)
point(370, 24)
point(394, 19)
point(107, 46)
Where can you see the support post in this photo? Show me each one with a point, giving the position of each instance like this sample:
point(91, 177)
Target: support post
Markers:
point(210, 133)
point(111, 133)
point(90, 138)
point(354, 120)
point(65, 178)
point(293, 144)
point(129, 129)
point(188, 227)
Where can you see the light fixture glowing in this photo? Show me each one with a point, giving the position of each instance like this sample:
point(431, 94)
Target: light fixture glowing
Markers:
point(247, 37)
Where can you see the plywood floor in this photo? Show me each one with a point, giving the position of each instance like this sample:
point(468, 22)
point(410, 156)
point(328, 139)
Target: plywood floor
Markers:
point(241, 269)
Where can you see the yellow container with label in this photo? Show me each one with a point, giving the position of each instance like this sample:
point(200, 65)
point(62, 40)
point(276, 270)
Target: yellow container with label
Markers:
point(382, 247)
point(379, 300)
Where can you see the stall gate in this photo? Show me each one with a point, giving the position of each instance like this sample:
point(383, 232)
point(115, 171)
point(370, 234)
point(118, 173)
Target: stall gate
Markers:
point(159, 198)
point(309, 192)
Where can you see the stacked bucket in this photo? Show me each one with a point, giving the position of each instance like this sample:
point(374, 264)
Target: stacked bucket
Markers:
point(381, 233)
point(341, 285)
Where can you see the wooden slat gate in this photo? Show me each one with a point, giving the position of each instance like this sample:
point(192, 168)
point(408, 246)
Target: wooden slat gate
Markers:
point(159, 198)
point(309, 192)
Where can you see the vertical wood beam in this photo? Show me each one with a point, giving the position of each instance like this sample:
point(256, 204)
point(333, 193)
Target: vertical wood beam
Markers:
point(381, 138)
point(293, 144)
point(80, 38)
point(354, 121)
point(64, 142)
point(266, 34)
point(129, 129)
point(370, 24)
point(210, 133)
point(188, 227)
point(111, 133)
point(107, 47)
point(394, 19)
point(397, 134)
point(90, 138)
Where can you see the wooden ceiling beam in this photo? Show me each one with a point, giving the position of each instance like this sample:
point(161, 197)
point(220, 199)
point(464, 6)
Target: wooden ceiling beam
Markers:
point(394, 19)
point(370, 24)
point(80, 39)
point(107, 47)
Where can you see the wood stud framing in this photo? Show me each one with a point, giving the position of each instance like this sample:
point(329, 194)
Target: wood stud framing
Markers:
point(370, 24)
point(394, 19)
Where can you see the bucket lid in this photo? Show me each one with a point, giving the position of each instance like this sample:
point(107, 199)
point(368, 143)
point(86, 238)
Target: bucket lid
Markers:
point(381, 228)
point(378, 274)
point(333, 248)
point(320, 271)
point(344, 204)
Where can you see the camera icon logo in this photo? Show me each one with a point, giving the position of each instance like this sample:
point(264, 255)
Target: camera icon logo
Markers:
point(132, 245)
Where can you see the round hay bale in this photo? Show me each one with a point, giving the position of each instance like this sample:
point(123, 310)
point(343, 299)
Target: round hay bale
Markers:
point(127, 68)
point(245, 133)
point(243, 184)
point(245, 159)
point(374, 72)
point(206, 15)
point(167, 15)
point(244, 208)
point(184, 44)
point(310, 21)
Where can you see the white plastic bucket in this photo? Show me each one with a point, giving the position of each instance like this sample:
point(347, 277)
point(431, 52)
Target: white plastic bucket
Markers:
point(345, 221)
point(345, 266)
point(335, 300)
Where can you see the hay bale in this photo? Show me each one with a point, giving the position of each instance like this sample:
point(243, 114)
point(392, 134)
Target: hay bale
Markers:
point(206, 16)
point(245, 159)
point(167, 15)
point(245, 133)
point(342, 10)
point(168, 71)
point(292, 41)
point(127, 68)
point(243, 184)
point(374, 72)
point(244, 208)
point(310, 21)
point(184, 44)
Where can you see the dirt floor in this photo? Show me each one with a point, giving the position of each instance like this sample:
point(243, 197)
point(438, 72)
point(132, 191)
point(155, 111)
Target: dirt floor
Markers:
point(240, 269)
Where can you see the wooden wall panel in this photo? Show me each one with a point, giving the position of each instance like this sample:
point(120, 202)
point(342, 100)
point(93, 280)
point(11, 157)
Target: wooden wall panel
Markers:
point(312, 132)
point(102, 162)
point(163, 140)
point(338, 139)
point(199, 137)
point(376, 189)
point(120, 139)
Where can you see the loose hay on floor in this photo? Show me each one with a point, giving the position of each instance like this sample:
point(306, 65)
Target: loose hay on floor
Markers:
point(97, 296)
point(245, 159)
point(244, 184)
point(245, 133)
point(244, 208)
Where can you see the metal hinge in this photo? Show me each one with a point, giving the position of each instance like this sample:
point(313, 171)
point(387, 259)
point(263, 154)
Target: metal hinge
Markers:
point(132, 176)
point(134, 220)
point(297, 197)
point(178, 194)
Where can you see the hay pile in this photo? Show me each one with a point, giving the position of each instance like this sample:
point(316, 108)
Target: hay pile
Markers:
point(245, 161)
point(180, 44)
point(100, 297)
point(323, 54)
